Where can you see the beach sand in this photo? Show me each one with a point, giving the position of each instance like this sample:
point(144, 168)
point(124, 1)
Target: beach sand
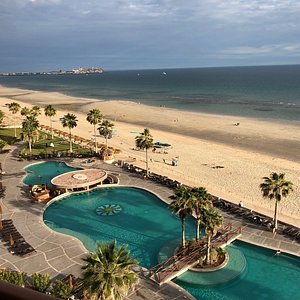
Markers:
point(228, 160)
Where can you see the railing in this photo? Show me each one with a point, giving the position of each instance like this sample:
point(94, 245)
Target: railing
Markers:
point(191, 254)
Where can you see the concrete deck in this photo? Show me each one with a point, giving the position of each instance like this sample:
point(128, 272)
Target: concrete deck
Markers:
point(60, 255)
point(57, 254)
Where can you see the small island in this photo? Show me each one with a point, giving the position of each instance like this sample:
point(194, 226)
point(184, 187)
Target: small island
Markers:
point(81, 70)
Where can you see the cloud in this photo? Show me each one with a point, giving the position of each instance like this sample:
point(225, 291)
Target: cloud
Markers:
point(273, 50)
point(44, 1)
point(150, 32)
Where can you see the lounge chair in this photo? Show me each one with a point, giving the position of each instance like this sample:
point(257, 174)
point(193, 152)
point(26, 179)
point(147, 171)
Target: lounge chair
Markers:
point(7, 221)
point(7, 229)
point(255, 219)
point(226, 205)
point(17, 240)
point(267, 222)
point(26, 251)
point(22, 249)
point(7, 226)
point(19, 244)
point(235, 209)
point(14, 235)
point(6, 234)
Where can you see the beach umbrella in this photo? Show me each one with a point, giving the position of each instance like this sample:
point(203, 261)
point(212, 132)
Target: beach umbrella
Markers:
point(11, 240)
point(161, 144)
point(1, 225)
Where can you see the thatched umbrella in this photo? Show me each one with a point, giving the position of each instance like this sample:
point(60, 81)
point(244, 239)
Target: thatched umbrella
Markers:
point(65, 134)
point(1, 225)
point(85, 141)
point(56, 131)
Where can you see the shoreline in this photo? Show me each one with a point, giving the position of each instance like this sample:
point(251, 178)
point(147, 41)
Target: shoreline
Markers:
point(135, 102)
point(227, 135)
point(246, 152)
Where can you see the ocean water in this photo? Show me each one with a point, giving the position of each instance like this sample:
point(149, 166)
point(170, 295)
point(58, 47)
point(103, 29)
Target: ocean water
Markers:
point(261, 92)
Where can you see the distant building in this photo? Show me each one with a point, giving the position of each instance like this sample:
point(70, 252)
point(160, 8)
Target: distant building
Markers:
point(81, 70)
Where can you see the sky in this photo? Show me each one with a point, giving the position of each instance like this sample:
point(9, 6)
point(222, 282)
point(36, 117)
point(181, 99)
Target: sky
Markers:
point(42, 35)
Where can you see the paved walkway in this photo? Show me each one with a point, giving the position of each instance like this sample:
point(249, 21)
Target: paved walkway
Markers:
point(60, 255)
point(57, 254)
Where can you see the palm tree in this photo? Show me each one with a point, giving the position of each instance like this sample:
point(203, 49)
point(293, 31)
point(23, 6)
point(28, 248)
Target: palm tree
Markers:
point(70, 121)
point(181, 207)
point(145, 142)
point(276, 187)
point(105, 129)
point(201, 200)
point(25, 111)
point(94, 117)
point(35, 111)
point(14, 107)
point(211, 220)
point(50, 111)
point(29, 128)
point(2, 115)
point(108, 272)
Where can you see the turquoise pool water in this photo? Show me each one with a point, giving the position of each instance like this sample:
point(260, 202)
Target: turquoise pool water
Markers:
point(42, 173)
point(266, 277)
point(146, 225)
point(144, 222)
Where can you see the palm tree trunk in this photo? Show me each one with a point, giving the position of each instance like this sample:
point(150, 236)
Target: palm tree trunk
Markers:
point(71, 149)
point(106, 137)
point(147, 171)
point(275, 216)
point(96, 150)
point(182, 233)
point(208, 249)
point(51, 128)
point(197, 229)
point(29, 145)
point(15, 130)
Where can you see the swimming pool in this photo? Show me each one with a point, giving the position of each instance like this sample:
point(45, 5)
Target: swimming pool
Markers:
point(265, 277)
point(43, 172)
point(145, 223)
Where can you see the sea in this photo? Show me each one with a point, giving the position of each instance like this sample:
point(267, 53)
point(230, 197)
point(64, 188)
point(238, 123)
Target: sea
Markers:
point(268, 92)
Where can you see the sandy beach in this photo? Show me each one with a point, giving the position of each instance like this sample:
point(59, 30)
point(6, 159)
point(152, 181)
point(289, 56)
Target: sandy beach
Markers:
point(228, 160)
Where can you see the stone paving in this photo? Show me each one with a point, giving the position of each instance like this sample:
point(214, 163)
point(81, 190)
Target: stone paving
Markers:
point(56, 254)
point(59, 255)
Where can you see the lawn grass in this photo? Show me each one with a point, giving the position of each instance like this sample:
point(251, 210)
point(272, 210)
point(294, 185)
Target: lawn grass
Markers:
point(42, 147)
point(8, 135)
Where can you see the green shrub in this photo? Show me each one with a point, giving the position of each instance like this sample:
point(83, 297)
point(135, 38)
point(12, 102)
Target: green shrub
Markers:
point(40, 282)
point(2, 144)
point(16, 278)
point(61, 290)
